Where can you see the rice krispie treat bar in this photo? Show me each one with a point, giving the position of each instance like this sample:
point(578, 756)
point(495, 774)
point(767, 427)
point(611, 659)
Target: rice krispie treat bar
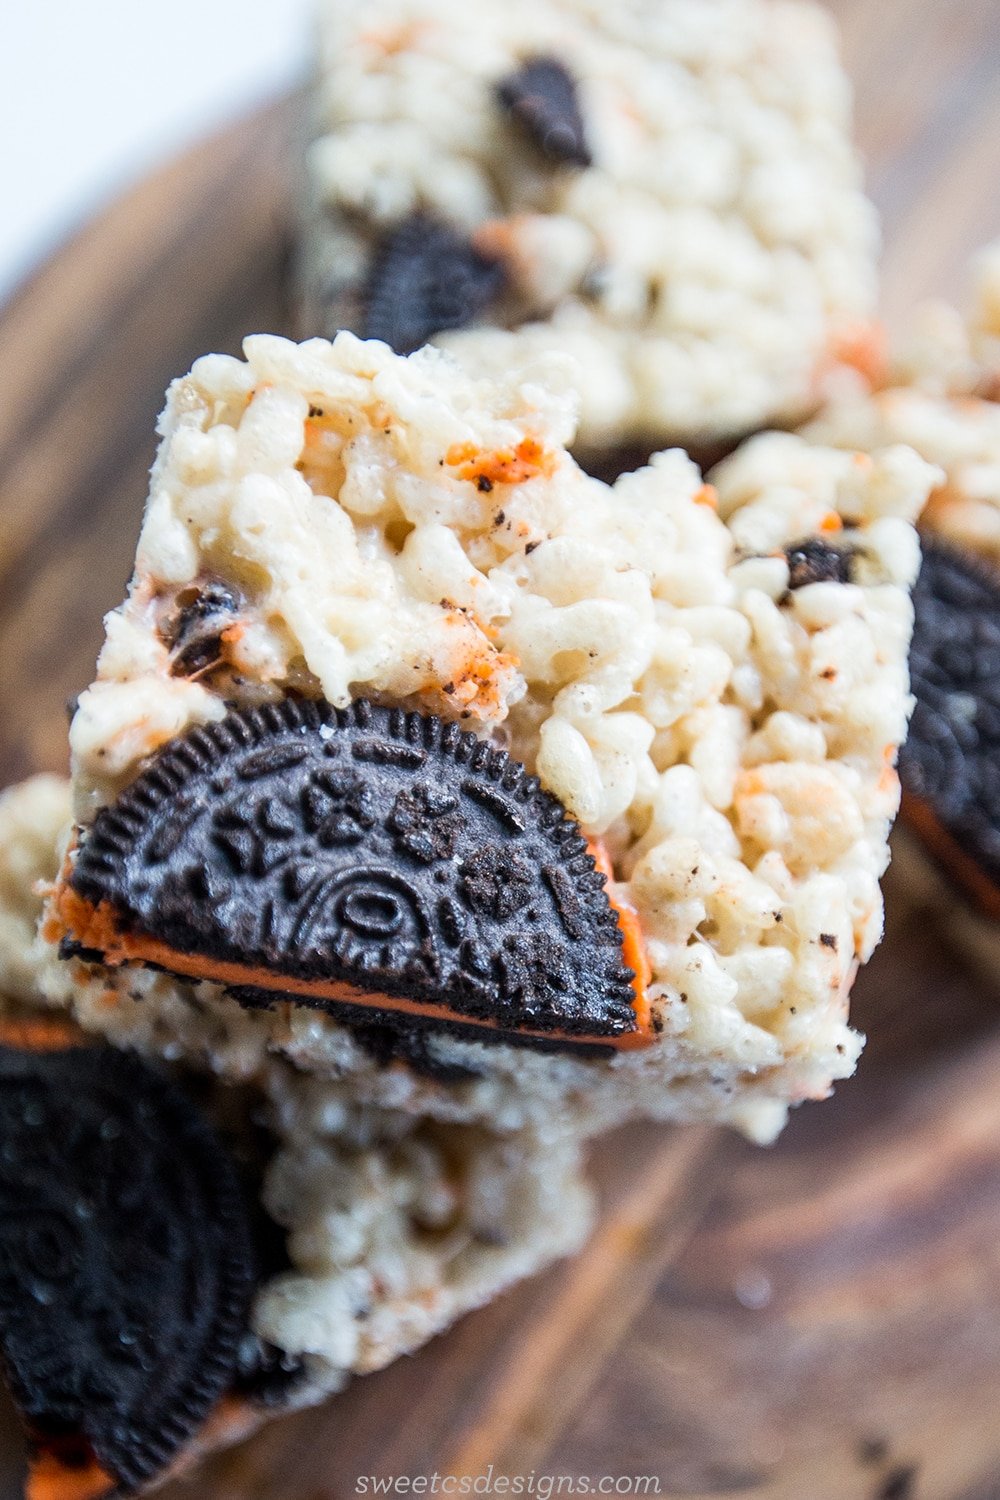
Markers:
point(324, 1240)
point(397, 686)
point(944, 400)
point(666, 192)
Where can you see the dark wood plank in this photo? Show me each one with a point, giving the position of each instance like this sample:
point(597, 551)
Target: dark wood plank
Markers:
point(816, 1322)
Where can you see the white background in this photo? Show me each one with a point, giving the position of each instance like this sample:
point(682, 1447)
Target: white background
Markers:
point(94, 92)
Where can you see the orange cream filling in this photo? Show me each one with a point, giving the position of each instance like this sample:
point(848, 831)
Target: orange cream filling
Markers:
point(96, 928)
point(51, 1479)
point(952, 856)
point(38, 1034)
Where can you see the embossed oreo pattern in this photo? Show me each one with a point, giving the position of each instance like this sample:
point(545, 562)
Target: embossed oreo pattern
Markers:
point(126, 1259)
point(952, 757)
point(381, 848)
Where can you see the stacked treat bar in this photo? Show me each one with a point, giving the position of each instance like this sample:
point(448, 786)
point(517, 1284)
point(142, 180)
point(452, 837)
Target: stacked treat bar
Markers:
point(437, 804)
point(246, 1245)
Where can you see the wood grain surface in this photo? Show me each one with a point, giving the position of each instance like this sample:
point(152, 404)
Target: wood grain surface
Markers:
point(816, 1322)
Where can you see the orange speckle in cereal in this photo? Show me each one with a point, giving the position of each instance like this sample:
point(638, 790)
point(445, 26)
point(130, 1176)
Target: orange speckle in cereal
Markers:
point(863, 347)
point(391, 40)
point(479, 675)
point(831, 523)
point(498, 238)
point(529, 460)
point(708, 495)
point(633, 951)
point(888, 780)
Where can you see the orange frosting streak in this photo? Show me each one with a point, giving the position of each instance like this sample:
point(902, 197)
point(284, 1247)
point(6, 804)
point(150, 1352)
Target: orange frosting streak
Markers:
point(96, 928)
point(633, 948)
point(529, 460)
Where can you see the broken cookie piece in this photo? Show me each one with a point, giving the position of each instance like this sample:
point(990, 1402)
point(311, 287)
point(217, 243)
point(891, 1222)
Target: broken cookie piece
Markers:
point(541, 95)
point(426, 279)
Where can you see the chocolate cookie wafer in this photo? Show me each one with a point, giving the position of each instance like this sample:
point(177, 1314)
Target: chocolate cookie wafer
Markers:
point(127, 1265)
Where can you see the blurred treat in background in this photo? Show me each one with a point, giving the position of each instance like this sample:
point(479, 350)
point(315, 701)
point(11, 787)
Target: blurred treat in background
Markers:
point(667, 195)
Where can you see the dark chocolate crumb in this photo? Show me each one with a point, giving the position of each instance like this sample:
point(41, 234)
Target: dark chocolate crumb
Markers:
point(267, 1376)
point(828, 940)
point(899, 1484)
point(950, 759)
point(484, 484)
point(531, 547)
point(815, 561)
point(193, 632)
point(425, 279)
point(542, 97)
point(873, 1450)
point(500, 518)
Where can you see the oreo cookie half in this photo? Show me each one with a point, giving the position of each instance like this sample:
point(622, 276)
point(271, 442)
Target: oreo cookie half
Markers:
point(378, 864)
point(126, 1266)
point(950, 765)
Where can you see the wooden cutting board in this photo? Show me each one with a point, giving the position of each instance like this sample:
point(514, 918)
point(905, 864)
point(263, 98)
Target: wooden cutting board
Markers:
point(815, 1322)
